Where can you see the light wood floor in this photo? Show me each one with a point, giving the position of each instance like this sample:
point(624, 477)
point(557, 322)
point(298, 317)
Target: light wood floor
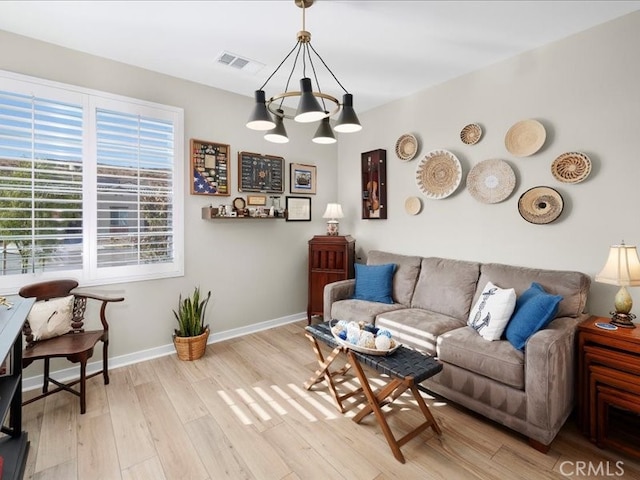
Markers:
point(241, 413)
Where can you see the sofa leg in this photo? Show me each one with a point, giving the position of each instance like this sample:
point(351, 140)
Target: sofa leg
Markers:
point(541, 447)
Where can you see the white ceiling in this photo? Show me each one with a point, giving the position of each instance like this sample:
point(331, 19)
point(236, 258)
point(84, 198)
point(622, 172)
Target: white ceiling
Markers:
point(379, 50)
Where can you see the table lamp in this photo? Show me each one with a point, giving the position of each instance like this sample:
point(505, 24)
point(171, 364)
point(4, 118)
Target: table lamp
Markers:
point(622, 269)
point(333, 212)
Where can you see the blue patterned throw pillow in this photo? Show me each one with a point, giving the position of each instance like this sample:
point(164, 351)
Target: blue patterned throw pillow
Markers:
point(374, 282)
point(535, 308)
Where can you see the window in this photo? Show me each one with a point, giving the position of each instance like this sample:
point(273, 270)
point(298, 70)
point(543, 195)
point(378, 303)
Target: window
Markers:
point(90, 185)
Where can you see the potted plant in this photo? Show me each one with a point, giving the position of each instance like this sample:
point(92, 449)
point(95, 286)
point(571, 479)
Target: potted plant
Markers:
point(190, 338)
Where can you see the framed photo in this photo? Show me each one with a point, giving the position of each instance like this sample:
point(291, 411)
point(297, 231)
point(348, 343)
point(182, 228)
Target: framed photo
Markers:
point(298, 209)
point(257, 200)
point(209, 168)
point(302, 178)
point(260, 173)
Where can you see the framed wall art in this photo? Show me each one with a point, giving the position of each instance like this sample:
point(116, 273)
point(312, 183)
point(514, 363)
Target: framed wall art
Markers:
point(257, 200)
point(298, 209)
point(374, 184)
point(260, 173)
point(302, 178)
point(209, 168)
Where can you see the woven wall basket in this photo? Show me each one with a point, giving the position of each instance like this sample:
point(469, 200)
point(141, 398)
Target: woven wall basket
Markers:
point(191, 348)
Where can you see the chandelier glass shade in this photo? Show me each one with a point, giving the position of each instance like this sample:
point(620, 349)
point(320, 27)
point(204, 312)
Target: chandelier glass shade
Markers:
point(314, 105)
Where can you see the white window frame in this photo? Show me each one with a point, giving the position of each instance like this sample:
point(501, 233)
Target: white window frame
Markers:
point(91, 100)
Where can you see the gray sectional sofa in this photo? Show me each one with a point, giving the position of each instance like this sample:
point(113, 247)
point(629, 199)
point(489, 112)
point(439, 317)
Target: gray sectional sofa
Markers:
point(529, 391)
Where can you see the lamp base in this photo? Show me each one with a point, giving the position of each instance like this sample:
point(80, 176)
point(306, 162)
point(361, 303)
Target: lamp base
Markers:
point(332, 228)
point(623, 320)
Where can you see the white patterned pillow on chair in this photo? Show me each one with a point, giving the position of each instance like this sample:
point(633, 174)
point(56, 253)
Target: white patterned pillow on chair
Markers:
point(51, 318)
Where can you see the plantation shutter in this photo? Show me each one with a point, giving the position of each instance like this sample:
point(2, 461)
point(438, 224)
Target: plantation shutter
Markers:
point(41, 177)
point(135, 168)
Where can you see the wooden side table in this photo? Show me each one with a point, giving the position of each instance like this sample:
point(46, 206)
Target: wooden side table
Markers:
point(608, 361)
point(331, 258)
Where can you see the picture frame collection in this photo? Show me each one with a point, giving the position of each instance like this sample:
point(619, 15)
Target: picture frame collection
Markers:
point(261, 177)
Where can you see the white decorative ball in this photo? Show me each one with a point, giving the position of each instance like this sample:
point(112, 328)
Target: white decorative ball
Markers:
point(383, 342)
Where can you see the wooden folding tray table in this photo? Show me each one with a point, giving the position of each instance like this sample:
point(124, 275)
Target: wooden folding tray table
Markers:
point(405, 367)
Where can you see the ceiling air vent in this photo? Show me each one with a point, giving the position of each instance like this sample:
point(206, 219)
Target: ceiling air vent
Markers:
point(239, 63)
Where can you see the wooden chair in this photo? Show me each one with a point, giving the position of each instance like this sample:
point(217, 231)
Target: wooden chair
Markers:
point(76, 346)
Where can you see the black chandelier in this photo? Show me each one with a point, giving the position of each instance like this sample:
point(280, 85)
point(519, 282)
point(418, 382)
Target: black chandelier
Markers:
point(314, 105)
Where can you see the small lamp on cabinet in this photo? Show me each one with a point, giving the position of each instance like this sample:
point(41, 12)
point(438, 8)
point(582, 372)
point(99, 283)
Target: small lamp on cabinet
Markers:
point(622, 269)
point(333, 213)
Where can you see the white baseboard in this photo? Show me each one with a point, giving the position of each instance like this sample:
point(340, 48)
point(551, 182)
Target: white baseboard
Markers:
point(31, 383)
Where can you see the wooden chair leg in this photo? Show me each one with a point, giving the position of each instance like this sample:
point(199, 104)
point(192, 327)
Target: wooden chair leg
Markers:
point(83, 382)
point(45, 384)
point(105, 362)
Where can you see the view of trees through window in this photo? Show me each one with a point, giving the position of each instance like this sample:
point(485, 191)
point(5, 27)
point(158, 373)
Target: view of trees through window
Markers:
point(84, 187)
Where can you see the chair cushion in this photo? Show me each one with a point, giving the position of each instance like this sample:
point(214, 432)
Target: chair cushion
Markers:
point(535, 308)
point(492, 311)
point(51, 318)
point(374, 282)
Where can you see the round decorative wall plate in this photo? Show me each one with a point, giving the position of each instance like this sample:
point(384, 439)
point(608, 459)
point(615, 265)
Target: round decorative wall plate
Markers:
point(540, 205)
point(571, 167)
point(413, 205)
point(438, 174)
point(406, 147)
point(471, 134)
point(525, 138)
point(491, 181)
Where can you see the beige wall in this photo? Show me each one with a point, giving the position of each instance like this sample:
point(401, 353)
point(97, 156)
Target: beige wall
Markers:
point(256, 270)
point(584, 89)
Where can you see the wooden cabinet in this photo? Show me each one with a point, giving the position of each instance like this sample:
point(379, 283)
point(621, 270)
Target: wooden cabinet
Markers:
point(14, 445)
point(331, 258)
point(608, 386)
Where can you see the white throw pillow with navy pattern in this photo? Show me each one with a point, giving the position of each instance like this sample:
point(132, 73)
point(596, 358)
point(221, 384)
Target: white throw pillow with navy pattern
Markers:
point(491, 313)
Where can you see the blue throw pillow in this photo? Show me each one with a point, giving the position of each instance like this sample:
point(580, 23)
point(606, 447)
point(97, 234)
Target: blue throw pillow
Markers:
point(534, 310)
point(374, 282)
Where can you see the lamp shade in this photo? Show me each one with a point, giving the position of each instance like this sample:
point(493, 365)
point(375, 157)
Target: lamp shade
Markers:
point(309, 109)
point(348, 120)
point(324, 134)
point(260, 119)
point(279, 133)
point(622, 267)
point(333, 211)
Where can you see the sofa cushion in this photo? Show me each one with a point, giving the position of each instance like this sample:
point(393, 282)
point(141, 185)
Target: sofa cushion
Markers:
point(466, 349)
point(573, 286)
point(417, 328)
point(446, 286)
point(374, 282)
point(535, 308)
point(360, 310)
point(407, 270)
point(492, 311)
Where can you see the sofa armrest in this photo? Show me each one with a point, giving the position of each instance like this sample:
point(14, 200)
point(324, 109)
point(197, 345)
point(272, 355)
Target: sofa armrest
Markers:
point(335, 291)
point(550, 364)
